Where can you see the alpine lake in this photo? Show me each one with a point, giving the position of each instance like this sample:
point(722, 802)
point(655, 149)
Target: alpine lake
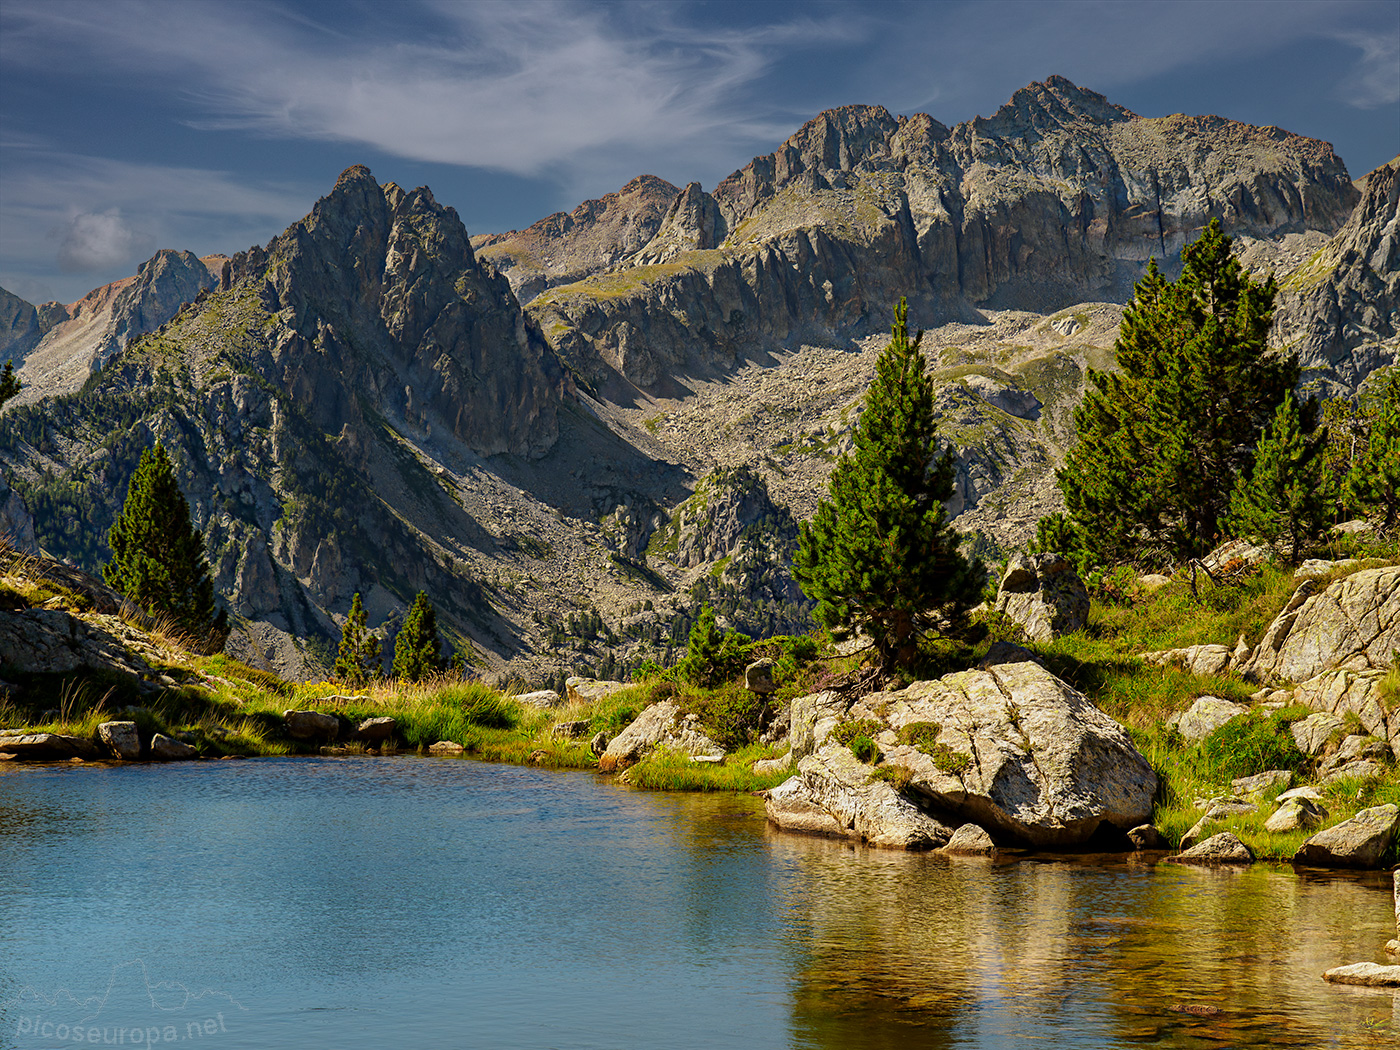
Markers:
point(414, 902)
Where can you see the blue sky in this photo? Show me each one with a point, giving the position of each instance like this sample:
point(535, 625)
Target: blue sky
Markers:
point(131, 126)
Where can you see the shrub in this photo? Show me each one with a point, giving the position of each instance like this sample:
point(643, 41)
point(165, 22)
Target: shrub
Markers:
point(1252, 743)
point(846, 731)
point(922, 736)
point(864, 749)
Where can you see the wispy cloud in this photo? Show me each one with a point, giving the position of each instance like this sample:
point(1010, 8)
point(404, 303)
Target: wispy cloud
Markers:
point(1375, 80)
point(521, 88)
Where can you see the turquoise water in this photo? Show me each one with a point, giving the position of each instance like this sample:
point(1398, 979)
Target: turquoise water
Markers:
point(412, 902)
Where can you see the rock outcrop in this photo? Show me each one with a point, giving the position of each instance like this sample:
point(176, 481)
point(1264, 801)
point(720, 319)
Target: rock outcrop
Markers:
point(660, 725)
point(1043, 595)
point(1010, 748)
point(1353, 625)
point(1341, 310)
point(567, 247)
point(290, 398)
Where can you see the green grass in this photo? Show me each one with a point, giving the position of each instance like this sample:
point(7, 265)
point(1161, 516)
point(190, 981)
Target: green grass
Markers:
point(667, 770)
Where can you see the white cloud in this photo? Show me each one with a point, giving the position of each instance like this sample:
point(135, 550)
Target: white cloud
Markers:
point(100, 240)
point(98, 218)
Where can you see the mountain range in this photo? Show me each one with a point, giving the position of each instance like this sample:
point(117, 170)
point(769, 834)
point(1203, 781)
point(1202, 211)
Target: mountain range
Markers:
point(571, 435)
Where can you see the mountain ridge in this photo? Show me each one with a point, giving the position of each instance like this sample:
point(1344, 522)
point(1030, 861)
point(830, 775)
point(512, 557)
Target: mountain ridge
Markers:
point(364, 403)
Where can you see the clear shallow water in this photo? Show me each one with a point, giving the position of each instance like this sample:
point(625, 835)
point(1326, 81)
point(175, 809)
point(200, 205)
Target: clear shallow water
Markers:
point(423, 903)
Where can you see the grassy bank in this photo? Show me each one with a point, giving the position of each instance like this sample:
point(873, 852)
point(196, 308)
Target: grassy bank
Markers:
point(223, 707)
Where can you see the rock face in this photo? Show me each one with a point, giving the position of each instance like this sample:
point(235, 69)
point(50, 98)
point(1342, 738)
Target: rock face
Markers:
point(1043, 594)
point(1355, 843)
point(101, 324)
point(51, 641)
point(567, 247)
point(1340, 310)
point(1010, 748)
point(1354, 624)
point(364, 327)
point(1058, 198)
point(661, 724)
point(122, 739)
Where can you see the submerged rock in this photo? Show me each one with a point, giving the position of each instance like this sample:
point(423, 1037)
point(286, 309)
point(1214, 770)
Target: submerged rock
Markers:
point(1365, 974)
point(1146, 836)
point(1224, 848)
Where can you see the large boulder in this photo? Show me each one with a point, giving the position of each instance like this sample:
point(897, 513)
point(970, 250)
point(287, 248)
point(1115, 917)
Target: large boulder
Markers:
point(121, 739)
point(1044, 595)
point(661, 724)
point(46, 746)
point(1354, 624)
point(1356, 843)
point(311, 725)
point(168, 749)
point(1009, 747)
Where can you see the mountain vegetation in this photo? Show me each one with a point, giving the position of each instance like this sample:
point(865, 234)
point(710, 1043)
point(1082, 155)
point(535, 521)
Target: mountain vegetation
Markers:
point(879, 556)
point(158, 555)
point(621, 414)
point(1165, 439)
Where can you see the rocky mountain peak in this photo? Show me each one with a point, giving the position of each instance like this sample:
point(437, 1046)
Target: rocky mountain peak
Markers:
point(1053, 103)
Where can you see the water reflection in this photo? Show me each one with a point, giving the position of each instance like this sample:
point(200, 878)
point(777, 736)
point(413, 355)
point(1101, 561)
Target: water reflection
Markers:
point(369, 902)
point(1084, 952)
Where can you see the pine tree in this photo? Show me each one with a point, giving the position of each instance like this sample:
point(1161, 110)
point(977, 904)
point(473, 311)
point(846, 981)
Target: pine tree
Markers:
point(357, 660)
point(417, 648)
point(1284, 499)
point(1163, 440)
point(1372, 486)
point(158, 556)
point(879, 555)
point(9, 383)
